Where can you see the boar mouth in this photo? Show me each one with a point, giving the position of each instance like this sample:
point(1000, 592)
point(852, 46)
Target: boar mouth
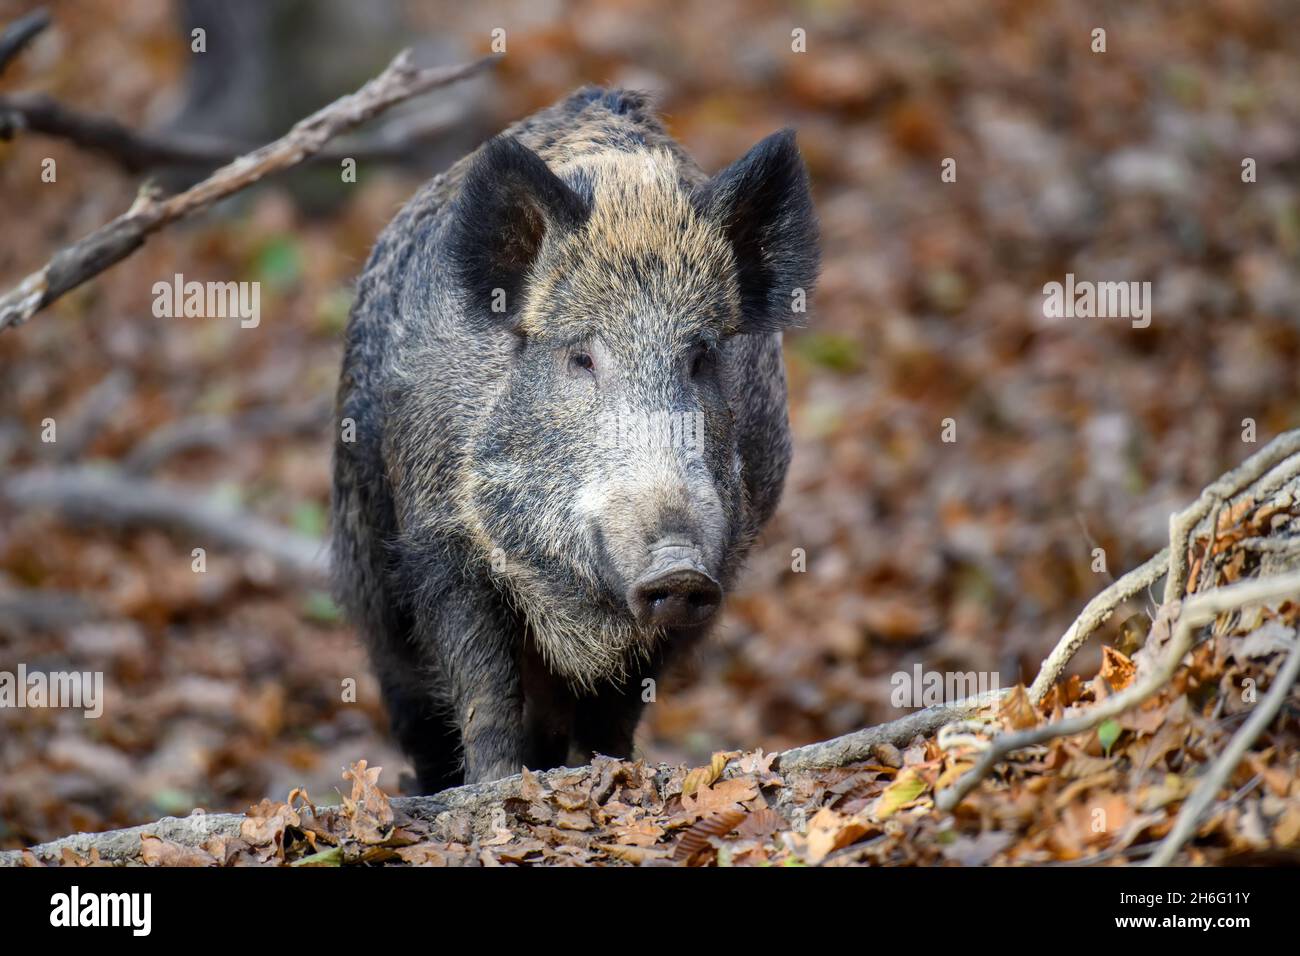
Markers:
point(676, 592)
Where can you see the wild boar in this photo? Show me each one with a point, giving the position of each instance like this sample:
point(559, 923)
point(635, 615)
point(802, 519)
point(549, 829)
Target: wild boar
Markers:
point(562, 423)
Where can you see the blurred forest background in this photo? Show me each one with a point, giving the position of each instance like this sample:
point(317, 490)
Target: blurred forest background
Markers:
point(224, 687)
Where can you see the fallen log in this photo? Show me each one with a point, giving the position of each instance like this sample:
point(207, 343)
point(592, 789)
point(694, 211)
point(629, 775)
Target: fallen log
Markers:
point(482, 800)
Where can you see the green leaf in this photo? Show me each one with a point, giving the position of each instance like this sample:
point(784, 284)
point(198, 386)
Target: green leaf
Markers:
point(1108, 733)
point(330, 857)
point(279, 263)
point(309, 518)
point(836, 352)
point(171, 800)
point(906, 788)
point(320, 607)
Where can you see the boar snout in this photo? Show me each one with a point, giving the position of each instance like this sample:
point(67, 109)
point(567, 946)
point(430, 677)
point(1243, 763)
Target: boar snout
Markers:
point(675, 592)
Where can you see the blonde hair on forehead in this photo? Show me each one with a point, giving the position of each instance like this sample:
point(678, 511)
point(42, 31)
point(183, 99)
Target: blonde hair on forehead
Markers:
point(642, 190)
point(638, 205)
point(650, 166)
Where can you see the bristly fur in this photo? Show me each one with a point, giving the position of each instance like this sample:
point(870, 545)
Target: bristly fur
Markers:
point(486, 521)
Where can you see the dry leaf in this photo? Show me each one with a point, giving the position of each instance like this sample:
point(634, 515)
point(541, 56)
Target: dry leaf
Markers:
point(695, 842)
point(762, 824)
point(1016, 711)
point(1116, 669)
point(159, 852)
point(636, 855)
point(903, 791)
point(264, 825)
point(370, 815)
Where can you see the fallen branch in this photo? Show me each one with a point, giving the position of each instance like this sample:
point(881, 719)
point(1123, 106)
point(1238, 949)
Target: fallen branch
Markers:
point(1193, 614)
point(1251, 471)
point(480, 800)
point(111, 243)
point(105, 496)
point(1095, 613)
point(120, 846)
point(1261, 474)
point(1279, 456)
point(861, 744)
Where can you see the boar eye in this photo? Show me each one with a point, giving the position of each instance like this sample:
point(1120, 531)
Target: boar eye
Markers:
point(581, 360)
point(701, 359)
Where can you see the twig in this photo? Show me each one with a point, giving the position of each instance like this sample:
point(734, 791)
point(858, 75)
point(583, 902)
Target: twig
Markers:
point(137, 151)
point(859, 745)
point(105, 496)
point(20, 33)
point(1182, 524)
point(1266, 469)
point(1194, 613)
point(1095, 613)
point(1270, 545)
point(1222, 768)
point(133, 151)
point(1208, 571)
point(1126, 852)
point(1091, 541)
point(92, 254)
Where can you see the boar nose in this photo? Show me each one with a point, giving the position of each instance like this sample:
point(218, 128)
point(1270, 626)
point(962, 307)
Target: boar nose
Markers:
point(675, 592)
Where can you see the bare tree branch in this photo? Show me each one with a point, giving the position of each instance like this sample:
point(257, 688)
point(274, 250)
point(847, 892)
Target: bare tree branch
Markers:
point(136, 151)
point(1197, 611)
point(20, 33)
point(133, 151)
point(91, 255)
point(98, 495)
point(1183, 523)
point(861, 744)
point(1094, 614)
point(1261, 473)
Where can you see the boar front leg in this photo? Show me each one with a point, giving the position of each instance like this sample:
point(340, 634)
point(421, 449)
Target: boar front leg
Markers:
point(606, 721)
point(475, 641)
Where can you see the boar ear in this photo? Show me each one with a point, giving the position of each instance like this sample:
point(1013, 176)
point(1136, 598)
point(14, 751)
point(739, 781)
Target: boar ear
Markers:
point(509, 201)
point(763, 205)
